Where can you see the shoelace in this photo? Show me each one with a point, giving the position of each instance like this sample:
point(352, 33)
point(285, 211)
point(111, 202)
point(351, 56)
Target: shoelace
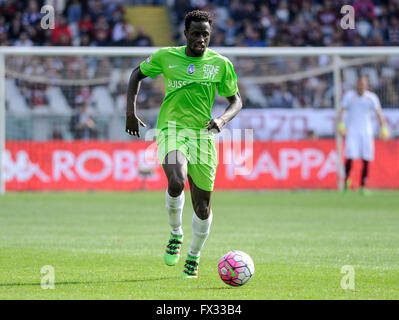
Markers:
point(172, 246)
point(190, 266)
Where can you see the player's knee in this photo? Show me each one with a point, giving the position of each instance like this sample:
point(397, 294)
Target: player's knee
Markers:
point(202, 210)
point(175, 186)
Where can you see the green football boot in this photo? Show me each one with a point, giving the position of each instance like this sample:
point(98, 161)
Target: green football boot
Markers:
point(191, 267)
point(172, 252)
point(365, 192)
point(347, 185)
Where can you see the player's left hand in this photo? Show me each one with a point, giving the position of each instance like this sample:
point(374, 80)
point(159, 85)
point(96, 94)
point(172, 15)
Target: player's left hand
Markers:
point(215, 125)
point(384, 133)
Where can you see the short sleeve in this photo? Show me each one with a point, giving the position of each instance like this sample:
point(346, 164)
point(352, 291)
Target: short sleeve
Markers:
point(345, 100)
point(152, 66)
point(228, 85)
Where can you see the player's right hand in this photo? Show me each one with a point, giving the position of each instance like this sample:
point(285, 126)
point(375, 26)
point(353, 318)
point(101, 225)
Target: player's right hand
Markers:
point(132, 124)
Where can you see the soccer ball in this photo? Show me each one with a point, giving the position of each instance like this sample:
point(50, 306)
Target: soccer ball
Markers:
point(236, 268)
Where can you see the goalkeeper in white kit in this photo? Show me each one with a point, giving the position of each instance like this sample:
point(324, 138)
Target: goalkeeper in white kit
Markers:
point(359, 142)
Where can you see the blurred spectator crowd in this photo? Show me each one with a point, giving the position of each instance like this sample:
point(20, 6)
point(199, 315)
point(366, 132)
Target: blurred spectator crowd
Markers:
point(77, 23)
point(237, 22)
point(296, 22)
point(273, 23)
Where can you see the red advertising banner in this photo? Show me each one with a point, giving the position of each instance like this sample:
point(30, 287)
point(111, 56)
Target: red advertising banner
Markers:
point(98, 165)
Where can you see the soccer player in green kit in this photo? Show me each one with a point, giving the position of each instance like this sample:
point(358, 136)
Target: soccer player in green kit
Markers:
point(193, 75)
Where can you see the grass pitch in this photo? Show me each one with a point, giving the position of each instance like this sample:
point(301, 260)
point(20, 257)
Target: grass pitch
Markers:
point(110, 245)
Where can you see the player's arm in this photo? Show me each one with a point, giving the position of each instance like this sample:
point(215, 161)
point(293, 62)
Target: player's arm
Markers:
point(381, 118)
point(235, 105)
point(132, 121)
point(340, 123)
point(383, 124)
point(346, 100)
point(377, 107)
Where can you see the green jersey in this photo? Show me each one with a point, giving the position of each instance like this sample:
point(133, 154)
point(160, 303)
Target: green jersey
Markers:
point(191, 84)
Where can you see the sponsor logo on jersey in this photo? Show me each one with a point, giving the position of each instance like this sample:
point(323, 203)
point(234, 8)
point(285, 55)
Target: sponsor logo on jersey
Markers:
point(210, 71)
point(148, 59)
point(182, 83)
point(191, 69)
point(177, 83)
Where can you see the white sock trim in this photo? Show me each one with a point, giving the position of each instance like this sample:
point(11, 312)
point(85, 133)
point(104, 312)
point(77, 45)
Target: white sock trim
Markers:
point(193, 254)
point(178, 231)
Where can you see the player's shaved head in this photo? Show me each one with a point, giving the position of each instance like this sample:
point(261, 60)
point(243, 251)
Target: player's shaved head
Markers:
point(363, 78)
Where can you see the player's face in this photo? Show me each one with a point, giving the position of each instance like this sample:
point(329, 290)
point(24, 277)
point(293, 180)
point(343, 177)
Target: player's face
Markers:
point(198, 37)
point(362, 85)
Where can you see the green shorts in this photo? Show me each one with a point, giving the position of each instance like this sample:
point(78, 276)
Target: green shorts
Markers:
point(200, 153)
